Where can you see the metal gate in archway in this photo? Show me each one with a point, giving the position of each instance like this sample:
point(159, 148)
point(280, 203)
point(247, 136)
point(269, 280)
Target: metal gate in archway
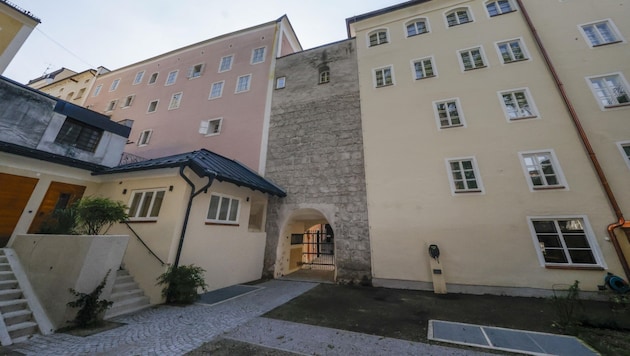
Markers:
point(318, 249)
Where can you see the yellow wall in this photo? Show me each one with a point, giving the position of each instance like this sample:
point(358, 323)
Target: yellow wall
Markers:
point(10, 27)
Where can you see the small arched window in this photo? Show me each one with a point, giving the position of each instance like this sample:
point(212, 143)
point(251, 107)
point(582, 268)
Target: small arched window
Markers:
point(324, 76)
point(458, 17)
point(417, 27)
point(499, 7)
point(378, 37)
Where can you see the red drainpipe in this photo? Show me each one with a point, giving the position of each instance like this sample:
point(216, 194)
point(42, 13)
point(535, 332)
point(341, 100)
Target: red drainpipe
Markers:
point(587, 145)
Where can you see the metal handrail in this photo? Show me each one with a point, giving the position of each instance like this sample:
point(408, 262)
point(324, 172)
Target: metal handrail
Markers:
point(144, 244)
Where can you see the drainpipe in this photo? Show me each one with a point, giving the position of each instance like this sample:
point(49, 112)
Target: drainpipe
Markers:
point(193, 194)
point(587, 145)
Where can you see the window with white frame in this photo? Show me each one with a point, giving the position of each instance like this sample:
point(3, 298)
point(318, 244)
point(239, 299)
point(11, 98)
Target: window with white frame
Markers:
point(472, 58)
point(600, 33)
point(258, 55)
point(171, 78)
point(195, 71)
point(152, 106)
point(153, 78)
point(111, 105)
point(423, 68)
point(624, 148)
point(145, 204)
point(144, 138)
point(378, 37)
point(512, 51)
point(383, 77)
point(138, 78)
point(542, 170)
point(211, 127)
point(324, 76)
point(98, 89)
point(223, 209)
point(518, 104)
point(463, 175)
point(114, 85)
point(216, 90)
point(176, 99)
point(226, 63)
point(564, 241)
point(128, 101)
point(458, 16)
point(417, 27)
point(610, 90)
point(281, 82)
point(243, 82)
point(499, 7)
point(448, 113)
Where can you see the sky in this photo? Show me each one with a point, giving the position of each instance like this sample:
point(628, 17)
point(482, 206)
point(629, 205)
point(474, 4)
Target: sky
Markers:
point(83, 34)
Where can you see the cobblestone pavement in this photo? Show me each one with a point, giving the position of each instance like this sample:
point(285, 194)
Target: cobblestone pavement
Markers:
point(170, 330)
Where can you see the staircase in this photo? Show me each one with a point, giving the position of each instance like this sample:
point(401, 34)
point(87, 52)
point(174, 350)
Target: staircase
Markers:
point(126, 295)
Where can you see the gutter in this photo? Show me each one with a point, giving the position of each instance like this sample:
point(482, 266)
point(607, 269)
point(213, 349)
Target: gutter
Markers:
point(587, 145)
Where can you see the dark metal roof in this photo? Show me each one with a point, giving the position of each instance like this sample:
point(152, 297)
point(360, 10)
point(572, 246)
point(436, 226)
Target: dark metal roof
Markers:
point(48, 157)
point(205, 163)
point(385, 10)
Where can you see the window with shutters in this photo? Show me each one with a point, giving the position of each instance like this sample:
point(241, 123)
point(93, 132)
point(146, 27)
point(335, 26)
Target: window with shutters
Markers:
point(195, 71)
point(211, 127)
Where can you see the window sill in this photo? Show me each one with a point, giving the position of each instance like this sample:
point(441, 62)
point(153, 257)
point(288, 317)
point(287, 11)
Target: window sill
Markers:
point(378, 44)
point(418, 34)
point(616, 106)
point(451, 126)
point(459, 24)
point(221, 224)
point(550, 187)
point(516, 60)
point(468, 70)
point(606, 44)
point(140, 221)
point(581, 268)
point(503, 13)
point(426, 77)
point(384, 85)
point(468, 191)
point(523, 117)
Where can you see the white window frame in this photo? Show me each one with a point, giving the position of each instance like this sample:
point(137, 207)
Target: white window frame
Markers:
point(176, 100)
point(97, 90)
point(500, 11)
point(626, 157)
point(157, 103)
point(255, 59)
point(422, 60)
point(192, 73)
point(226, 221)
point(475, 169)
point(204, 127)
point(383, 69)
point(324, 77)
point(623, 83)
point(172, 81)
point(155, 192)
point(555, 165)
point(128, 101)
point(249, 83)
point(457, 9)
point(281, 82)
point(521, 45)
point(229, 67)
point(460, 113)
point(150, 82)
point(530, 102)
point(115, 84)
point(413, 22)
point(138, 78)
point(111, 105)
point(222, 83)
point(469, 50)
point(611, 27)
point(588, 232)
point(144, 138)
point(378, 38)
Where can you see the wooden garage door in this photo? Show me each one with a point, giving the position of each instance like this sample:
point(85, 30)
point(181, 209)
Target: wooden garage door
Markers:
point(58, 196)
point(15, 191)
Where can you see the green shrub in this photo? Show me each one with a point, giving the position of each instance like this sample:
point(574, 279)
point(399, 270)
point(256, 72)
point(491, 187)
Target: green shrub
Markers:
point(91, 306)
point(60, 222)
point(94, 213)
point(182, 283)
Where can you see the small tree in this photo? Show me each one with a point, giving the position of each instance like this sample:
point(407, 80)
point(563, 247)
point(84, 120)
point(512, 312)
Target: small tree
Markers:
point(91, 306)
point(182, 283)
point(94, 213)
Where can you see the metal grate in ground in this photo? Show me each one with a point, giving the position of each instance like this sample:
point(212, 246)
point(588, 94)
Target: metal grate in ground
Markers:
point(227, 293)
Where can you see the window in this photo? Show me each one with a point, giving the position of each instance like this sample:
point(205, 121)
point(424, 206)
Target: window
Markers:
point(423, 68)
point(77, 134)
point(211, 127)
point(458, 17)
point(145, 136)
point(243, 82)
point(378, 37)
point(624, 148)
point(564, 241)
point(145, 205)
point(153, 106)
point(542, 169)
point(463, 175)
point(138, 78)
point(176, 99)
point(512, 51)
point(600, 33)
point(472, 58)
point(324, 77)
point(258, 55)
point(153, 78)
point(98, 89)
point(448, 113)
point(517, 104)
point(610, 90)
point(383, 77)
point(80, 93)
point(216, 90)
point(69, 95)
point(128, 101)
point(500, 7)
point(226, 63)
point(171, 78)
point(417, 27)
point(195, 71)
point(280, 82)
point(112, 105)
point(223, 209)
point(114, 85)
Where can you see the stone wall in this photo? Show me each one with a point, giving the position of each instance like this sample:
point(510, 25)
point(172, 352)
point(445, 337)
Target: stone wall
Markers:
point(315, 152)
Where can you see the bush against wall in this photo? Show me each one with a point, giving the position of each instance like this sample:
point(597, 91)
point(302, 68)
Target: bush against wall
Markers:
point(182, 283)
point(88, 216)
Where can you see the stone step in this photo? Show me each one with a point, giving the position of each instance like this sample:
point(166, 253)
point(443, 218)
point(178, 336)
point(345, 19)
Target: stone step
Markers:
point(7, 306)
point(6, 275)
point(18, 316)
point(9, 284)
point(26, 328)
point(122, 272)
point(120, 296)
point(121, 287)
point(8, 294)
point(128, 306)
point(124, 279)
point(5, 266)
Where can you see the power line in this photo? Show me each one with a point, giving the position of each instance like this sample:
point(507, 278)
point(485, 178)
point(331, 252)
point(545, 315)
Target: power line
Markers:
point(64, 48)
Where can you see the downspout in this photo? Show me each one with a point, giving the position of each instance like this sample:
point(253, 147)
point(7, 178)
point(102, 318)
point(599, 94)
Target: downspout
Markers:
point(193, 194)
point(587, 145)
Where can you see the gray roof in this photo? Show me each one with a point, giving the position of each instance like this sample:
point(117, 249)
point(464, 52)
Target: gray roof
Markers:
point(205, 163)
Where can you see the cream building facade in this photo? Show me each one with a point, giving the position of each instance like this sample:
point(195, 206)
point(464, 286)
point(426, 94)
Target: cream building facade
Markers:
point(69, 85)
point(469, 146)
point(16, 25)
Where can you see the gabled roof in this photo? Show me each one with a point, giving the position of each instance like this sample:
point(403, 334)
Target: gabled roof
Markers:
point(205, 164)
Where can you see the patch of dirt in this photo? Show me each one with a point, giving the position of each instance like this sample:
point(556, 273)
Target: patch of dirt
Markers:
point(229, 347)
point(91, 330)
